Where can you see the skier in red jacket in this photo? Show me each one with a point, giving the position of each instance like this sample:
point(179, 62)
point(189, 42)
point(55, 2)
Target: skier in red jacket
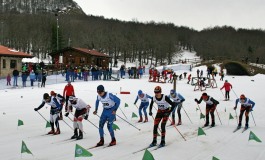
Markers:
point(67, 92)
point(227, 87)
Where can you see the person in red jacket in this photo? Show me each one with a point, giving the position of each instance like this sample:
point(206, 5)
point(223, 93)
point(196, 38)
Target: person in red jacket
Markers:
point(227, 87)
point(67, 92)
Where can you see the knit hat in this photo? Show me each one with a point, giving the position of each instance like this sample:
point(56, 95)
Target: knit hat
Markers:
point(100, 88)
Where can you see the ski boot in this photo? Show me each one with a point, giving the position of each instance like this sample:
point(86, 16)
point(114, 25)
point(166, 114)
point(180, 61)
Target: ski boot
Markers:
point(101, 142)
point(162, 143)
point(239, 126)
point(206, 124)
point(113, 142)
point(146, 119)
point(172, 122)
point(75, 134)
point(141, 119)
point(57, 131)
point(153, 143)
point(179, 123)
point(80, 135)
point(246, 126)
point(51, 132)
point(213, 124)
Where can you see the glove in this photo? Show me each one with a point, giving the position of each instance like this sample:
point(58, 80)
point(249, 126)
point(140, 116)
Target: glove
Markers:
point(196, 100)
point(86, 116)
point(251, 109)
point(36, 109)
point(234, 108)
point(95, 112)
point(66, 114)
point(150, 113)
point(167, 113)
point(182, 100)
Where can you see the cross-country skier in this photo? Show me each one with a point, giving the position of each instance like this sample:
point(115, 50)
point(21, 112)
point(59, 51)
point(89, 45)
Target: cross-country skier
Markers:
point(163, 102)
point(178, 99)
point(110, 104)
point(246, 105)
point(82, 111)
point(60, 99)
point(211, 104)
point(54, 112)
point(144, 104)
point(227, 87)
point(67, 92)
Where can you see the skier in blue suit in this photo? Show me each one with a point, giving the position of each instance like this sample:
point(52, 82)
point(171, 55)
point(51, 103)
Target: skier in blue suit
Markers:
point(178, 99)
point(144, 104)
point(246, 105)
point(110, 105)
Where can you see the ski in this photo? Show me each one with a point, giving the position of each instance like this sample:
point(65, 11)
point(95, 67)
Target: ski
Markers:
point(95, 147)
point(236, 129)
point(143, 149)
point(244, 130)
point(158, 147)
point(109, 146)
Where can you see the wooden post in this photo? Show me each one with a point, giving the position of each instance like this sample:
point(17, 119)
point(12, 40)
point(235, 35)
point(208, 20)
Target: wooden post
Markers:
point(175, 82)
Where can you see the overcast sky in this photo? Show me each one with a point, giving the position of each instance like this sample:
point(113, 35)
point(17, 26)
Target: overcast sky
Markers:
point(197, 14)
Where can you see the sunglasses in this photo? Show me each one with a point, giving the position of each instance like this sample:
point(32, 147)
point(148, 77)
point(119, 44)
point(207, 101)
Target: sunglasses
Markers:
point(157, 92)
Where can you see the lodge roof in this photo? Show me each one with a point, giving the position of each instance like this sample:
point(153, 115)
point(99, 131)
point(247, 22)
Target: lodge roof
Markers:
point(5, 51)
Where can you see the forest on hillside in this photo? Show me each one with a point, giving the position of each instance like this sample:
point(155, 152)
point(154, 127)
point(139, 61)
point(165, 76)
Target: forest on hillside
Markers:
point(40, 33)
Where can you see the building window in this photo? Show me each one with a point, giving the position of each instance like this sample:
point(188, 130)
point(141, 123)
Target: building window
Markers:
point(13, 64)
point(82, 60)
point(4, 63)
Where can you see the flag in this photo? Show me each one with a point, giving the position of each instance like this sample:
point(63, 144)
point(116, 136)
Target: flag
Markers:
point(202, 116)
point(252, 136)
point(214, 158)
point(148, 155)
point(134, 115)
point(48, 124)
point(201, 132)
point(81, 152)
point(126, 105)
point(114, 127)
point(230, 116)
point(20, 123)
point(24, 148)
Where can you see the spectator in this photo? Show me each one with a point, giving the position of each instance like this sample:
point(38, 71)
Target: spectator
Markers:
point(8, 80)
point(15, 75)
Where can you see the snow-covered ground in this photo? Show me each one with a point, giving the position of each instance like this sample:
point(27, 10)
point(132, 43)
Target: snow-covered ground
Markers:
point(220, 141)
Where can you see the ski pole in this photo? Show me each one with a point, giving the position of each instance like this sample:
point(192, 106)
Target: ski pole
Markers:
point(200, 110)
point(123, 113)
point(187, 115)
point(253, 118)
point(218, 116)
point(42, 116)
point(234, 93)
point(92, 123)
point(136, 106)
point(67, 124)
point(128, 122)
point(222, 93)
point(236, 116)
point(177, 129)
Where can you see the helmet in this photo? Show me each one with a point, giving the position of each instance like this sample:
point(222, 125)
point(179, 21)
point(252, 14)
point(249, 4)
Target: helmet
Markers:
point(242, 96)
point(140, 92)
point(157, 89)
point(46, 96)
point(204, 94)
point(52, 93)
point(72, 98)
point(100, 88)
point(172, 91)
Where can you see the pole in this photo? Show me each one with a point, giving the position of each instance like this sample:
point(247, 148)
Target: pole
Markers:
point(253, 118)
point(128, 122)
point(177, 129)
point(218, 116)
point(123, 113)
point(43, 117)
point(187, 115)
point(235, 93)
point(223, 94)
point(200, 110)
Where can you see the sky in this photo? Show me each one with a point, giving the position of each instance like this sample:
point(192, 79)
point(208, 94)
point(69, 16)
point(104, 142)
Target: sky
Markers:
point(196, 14)
point(221, 142)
